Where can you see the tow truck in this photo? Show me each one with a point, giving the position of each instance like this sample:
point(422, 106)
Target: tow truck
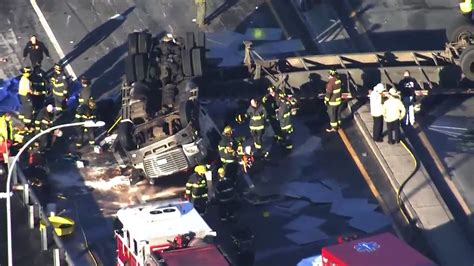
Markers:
point(162, 129)
point(168, 232)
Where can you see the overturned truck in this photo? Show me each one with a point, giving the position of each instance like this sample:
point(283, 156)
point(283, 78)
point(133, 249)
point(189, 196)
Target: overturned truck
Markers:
point(162, 126)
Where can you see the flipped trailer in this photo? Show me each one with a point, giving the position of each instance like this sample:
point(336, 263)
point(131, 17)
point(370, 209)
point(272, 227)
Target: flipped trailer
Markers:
point(439, 72)
point(168, 233)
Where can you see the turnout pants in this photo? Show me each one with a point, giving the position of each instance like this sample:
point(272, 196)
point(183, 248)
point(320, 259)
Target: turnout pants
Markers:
point(226, 210)
point(257, 136)
point(393, 129)
point(85, 134)
point(334, 113)
point(59, 102)
point(26, 113)
point(278, 136)
point(200, 204)
point(378, 128)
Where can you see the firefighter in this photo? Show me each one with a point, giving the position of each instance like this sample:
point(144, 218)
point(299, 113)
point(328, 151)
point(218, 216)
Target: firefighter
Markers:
point(86, 112)
point(227, 147)
point(60, 86)
point(257, 115)
point(44, 120)
point(25, 90)
point(85, 93)
point(39, 89)
point(225, 195)
point(269, 101)
point(284, 116)
point(35, 49)
point(333, 101)
point(196, 189)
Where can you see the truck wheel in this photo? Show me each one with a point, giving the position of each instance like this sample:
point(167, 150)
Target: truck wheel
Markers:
point(144, 42)
point(461, 30)
point(141, 66)
point(189, 112)
point(125, 136)
point(130, 69)
point(189, 41)
point(197, 58)
point(133, 43)
point(186, 62)
point(200, 39)
point(467, 62)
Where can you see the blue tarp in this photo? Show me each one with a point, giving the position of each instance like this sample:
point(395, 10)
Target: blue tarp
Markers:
point(9, 101)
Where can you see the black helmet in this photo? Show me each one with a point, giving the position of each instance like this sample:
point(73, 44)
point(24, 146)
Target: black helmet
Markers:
point(84, 80)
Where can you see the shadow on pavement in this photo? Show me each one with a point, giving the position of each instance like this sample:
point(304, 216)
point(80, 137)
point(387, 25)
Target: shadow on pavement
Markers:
point(96, 36)
point(220, 10)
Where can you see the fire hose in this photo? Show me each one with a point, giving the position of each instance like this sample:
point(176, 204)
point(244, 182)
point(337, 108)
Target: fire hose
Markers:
point(403, 184)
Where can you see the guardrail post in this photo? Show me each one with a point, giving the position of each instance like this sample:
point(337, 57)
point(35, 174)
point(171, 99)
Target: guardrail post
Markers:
point(15, 172)
point(44, 238)
point(26, 194)
point(31, 216)
point(56, 257)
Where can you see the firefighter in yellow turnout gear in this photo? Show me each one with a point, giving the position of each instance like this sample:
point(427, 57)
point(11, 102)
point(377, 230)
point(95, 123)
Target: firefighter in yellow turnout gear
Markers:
point(196, 189)
point(284, 114)
point(227, 147)
point(333, 101)
point(25, 90)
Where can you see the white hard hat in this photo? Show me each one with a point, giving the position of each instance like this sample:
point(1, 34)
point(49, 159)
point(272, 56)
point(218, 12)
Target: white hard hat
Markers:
point(393, 92)
point(379, 88)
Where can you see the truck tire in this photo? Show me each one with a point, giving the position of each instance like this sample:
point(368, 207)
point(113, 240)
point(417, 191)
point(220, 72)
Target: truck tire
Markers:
point(141, 66)
point(189, 112)
point(187, 63)
point(125, 136)
point(462, 29)
point(189, 41)
point(197, 60)
point(133, 43)
point(144, 42)
point(130, 69)
point(467, 62)
point(200, 39)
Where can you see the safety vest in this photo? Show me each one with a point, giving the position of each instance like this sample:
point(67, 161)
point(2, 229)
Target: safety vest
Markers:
point(24, 87)
point(466, 7)
point(257, 117)
point(196, 187)
point(333, 92)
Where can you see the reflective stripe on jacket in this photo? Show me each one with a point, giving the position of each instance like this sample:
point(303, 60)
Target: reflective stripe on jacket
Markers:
point(196, 187)
point(257, 117)
point(333, 91)
point(284, 116)
point(393, 110)
point(225, 190)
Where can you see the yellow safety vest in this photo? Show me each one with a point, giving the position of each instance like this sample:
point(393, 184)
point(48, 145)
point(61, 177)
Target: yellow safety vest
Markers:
point(6, 128)
point(24, 87)
point(466, 6)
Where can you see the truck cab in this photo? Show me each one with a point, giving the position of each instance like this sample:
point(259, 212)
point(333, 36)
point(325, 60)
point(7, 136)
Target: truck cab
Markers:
point(167, 232)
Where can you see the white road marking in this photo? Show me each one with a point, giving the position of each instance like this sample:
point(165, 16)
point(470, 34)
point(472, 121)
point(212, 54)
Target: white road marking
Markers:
point(52, 38)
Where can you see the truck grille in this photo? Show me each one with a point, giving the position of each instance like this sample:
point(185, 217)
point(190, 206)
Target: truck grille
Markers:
point(165, 164)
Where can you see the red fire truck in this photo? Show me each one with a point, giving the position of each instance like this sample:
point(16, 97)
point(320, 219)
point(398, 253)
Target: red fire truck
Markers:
point(382, 249)
point(168, 233)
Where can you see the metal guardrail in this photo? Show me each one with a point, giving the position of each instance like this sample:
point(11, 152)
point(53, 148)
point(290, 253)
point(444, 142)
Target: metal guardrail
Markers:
point(31, 201)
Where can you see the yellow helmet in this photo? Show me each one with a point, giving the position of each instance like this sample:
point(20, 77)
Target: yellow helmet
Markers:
point(221, 171)
point(26, 69)
point(227, 130)
point(58, 67)
point(91, 103)
point(200, 169)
